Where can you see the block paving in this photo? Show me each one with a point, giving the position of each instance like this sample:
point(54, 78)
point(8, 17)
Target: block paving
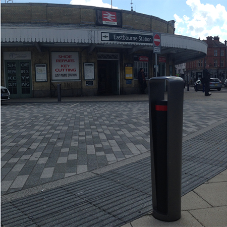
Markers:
point(44, 142)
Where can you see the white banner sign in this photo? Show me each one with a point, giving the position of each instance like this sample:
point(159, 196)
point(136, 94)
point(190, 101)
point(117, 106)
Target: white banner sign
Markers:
point(65, 66)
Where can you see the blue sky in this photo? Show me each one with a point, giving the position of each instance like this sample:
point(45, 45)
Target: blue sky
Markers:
point(194, 18)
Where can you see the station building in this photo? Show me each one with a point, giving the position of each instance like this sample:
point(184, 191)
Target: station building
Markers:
point(88, 50)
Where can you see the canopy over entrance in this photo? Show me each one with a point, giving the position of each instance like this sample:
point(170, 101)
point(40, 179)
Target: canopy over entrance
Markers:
point(179, 48)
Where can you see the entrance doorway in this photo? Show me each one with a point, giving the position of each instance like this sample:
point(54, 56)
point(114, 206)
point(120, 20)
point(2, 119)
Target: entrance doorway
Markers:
point(108, 78)
point(162, 69)
point(18, 78)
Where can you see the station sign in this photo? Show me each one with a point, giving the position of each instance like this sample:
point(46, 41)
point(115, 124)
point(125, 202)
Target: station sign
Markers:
point(124, 37)
point(108, 18)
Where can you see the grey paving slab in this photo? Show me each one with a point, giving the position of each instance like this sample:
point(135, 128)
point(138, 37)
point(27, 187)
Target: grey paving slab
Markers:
point(192, 201)
point(220, 178)
point(5, 185)
point(186, 220)
point(19, 181)
point(206, 216)
point(214, 193)
point(47, 172)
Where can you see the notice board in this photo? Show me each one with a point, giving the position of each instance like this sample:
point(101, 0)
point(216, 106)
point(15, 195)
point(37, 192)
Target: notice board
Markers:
point(89, 71)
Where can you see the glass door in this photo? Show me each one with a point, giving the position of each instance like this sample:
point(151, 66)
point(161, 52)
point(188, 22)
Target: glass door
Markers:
point(18, 78)
point(11, 77)
point(162, 69)
point(25, 78)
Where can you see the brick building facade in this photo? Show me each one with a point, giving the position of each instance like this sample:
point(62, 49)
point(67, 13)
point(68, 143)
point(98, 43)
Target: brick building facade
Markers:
point(215, 61)
point(88, 50)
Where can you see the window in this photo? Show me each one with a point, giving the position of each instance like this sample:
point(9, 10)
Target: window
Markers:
point(222, 52)
point(140, 62)
point(215, 52)
point(215, 80)
point(215, 63)
point(137, 66)
point(222, 63)
point(200, 63)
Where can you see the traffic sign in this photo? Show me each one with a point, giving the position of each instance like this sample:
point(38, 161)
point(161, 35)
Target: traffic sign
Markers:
point(157, 43)
point(157, 40)
point(157, 50)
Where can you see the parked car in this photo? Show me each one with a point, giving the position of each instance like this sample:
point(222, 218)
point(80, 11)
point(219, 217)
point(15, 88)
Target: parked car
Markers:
point(225, 83)
point(5, 94)
point(215, 83)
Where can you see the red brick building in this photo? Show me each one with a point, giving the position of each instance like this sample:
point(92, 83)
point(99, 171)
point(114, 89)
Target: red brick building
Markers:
point(216, 61)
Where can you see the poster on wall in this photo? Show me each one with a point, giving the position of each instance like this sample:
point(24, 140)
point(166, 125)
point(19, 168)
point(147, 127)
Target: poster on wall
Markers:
point(162, 59)
point(89, 71)
point(128, 71)
point(65, 66)
point(40, 73)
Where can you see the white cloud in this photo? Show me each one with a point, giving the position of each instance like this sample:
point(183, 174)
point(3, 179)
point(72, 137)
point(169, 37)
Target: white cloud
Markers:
point(178, 19)
point(206, 20)
point(186, 18)
point(97, 3)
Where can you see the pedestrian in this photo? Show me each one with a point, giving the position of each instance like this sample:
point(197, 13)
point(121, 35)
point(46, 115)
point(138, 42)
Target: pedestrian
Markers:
point(142, 81)
point(203, 83)
point(206, 76)
point(196, 86)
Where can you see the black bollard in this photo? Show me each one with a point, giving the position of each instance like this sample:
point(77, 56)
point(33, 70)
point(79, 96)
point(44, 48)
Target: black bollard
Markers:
point(166, 125)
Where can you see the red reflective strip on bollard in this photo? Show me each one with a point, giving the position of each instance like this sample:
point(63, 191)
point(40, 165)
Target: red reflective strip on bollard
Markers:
point(160, 108)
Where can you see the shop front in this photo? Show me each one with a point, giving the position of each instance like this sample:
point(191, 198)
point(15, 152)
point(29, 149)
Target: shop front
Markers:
point(18, 79)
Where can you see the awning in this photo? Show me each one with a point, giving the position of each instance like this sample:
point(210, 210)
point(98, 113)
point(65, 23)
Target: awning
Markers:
point(179, 48)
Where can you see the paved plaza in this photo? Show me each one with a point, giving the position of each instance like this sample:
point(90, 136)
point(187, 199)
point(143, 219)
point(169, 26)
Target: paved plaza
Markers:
point(101, 144)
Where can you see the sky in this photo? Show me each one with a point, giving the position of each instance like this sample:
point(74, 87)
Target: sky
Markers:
point(193, 18)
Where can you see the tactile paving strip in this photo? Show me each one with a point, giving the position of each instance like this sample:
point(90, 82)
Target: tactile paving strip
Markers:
point(120, 195)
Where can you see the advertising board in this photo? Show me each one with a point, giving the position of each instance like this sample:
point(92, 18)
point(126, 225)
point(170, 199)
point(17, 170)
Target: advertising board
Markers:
point(65, 66)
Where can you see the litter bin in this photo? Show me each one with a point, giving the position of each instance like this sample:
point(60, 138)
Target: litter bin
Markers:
point(166, 122)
